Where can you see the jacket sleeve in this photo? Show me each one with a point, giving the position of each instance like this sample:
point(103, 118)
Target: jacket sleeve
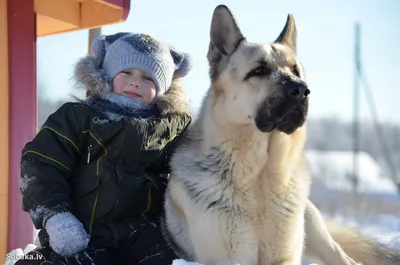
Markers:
point(176, 128)
point(46, 164)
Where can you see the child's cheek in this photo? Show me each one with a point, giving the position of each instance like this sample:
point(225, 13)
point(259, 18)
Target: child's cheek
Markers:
point(117, 85)
point(152, 93)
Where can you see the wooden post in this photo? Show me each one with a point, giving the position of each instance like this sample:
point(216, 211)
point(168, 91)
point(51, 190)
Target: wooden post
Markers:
point(4, 130)
point(21, 23)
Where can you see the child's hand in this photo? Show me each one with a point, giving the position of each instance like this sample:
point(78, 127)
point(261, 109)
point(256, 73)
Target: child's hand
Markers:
point(66, 234)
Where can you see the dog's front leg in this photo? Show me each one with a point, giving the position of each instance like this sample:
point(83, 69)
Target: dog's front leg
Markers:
point(287, 262)
point(292, 258)
point(319, 245)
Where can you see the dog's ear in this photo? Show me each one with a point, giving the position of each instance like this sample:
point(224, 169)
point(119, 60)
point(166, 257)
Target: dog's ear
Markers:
point(225, 35)
point(288, 35)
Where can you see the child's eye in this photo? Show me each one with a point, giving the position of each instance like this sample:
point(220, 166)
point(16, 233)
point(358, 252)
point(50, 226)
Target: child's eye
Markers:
point(126, 72)
point(148, 78)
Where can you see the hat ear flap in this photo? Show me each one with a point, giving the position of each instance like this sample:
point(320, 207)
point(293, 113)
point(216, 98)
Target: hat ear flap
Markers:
point(183, 63)
point(99, 50)
point(101, 44)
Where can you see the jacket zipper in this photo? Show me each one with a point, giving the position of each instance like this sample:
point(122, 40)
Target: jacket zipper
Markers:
point(92, 217)
point(89, 152)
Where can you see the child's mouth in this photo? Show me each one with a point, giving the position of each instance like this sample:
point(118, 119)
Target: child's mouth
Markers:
point(133, 95)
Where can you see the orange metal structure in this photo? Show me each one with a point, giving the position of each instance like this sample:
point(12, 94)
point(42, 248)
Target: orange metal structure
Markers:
point(21, 22)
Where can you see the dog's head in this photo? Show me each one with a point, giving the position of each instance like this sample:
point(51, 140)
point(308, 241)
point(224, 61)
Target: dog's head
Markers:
point(261, 84)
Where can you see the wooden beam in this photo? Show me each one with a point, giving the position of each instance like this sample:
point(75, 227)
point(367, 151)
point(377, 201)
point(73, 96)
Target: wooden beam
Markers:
point(66, 11)
point(95, 13)
point(69, 15)
point(48, 26)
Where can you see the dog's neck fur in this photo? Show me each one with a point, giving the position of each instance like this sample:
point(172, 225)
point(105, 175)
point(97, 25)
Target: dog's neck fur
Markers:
point(271, 153)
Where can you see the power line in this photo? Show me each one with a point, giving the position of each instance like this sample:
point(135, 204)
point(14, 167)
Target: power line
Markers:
point(377, 125)
point(360, 75)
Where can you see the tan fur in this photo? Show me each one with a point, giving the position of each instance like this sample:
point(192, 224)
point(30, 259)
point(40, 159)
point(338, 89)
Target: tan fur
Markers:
point(357, 246)
point(176, 205)
point(237, 194)
point(320, 245)
point(268, 176)
point(262, 184)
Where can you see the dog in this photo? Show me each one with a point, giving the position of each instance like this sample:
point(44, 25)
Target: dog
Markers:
point(238, 192)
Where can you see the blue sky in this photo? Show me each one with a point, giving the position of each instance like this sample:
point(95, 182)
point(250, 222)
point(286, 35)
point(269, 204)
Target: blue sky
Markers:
point(325, 46)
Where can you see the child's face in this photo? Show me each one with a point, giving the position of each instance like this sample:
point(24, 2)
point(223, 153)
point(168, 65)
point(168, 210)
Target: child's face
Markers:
point(136, 84)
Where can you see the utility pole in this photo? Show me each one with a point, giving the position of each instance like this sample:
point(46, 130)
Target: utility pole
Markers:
point(93, 34)
point(356, 108)
point(360, 77)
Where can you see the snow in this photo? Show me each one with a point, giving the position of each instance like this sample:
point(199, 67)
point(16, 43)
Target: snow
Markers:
point(183, 262)
point(334, 169)
point(374, 210)
point(24, 181)
point(14, 255)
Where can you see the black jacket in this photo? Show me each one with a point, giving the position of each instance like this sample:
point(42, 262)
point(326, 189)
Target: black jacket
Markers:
point(106, 173)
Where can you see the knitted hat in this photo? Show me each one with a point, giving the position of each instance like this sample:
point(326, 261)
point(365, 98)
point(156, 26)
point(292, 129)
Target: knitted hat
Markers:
point(124, 50)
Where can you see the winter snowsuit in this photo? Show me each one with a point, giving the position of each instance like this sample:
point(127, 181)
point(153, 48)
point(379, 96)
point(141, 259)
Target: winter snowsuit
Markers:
point(109, 174)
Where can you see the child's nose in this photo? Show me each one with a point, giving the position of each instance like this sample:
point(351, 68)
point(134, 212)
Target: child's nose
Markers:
point(134, 82)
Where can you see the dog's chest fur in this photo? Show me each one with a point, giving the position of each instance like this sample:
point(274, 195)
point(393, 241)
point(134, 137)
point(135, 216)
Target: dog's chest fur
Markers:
point(239, 203)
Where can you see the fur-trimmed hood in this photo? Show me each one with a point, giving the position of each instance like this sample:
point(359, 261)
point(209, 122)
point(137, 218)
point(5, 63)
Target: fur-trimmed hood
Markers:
point(89, 75)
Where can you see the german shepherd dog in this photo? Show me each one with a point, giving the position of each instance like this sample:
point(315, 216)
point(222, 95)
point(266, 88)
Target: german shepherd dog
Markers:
point(239, 188)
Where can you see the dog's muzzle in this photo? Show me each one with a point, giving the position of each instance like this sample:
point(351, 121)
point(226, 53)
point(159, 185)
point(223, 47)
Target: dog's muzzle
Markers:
point(287, 112)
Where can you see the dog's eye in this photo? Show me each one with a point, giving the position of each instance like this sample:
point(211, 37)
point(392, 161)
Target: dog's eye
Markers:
point(260, 71)
point(295, 70)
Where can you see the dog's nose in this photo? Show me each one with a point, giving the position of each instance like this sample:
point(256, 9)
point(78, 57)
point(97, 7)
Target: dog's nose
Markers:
point(298, 91)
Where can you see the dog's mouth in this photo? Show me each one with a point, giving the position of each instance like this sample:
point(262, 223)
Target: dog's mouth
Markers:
point(285, 116)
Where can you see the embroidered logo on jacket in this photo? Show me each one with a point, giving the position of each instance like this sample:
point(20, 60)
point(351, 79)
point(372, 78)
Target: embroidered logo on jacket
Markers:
point(99, 121)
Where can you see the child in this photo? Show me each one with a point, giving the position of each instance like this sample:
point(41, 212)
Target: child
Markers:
point(90, 179)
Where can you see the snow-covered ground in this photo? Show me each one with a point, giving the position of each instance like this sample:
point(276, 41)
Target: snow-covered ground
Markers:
point(374, 209)
point(334, 169)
